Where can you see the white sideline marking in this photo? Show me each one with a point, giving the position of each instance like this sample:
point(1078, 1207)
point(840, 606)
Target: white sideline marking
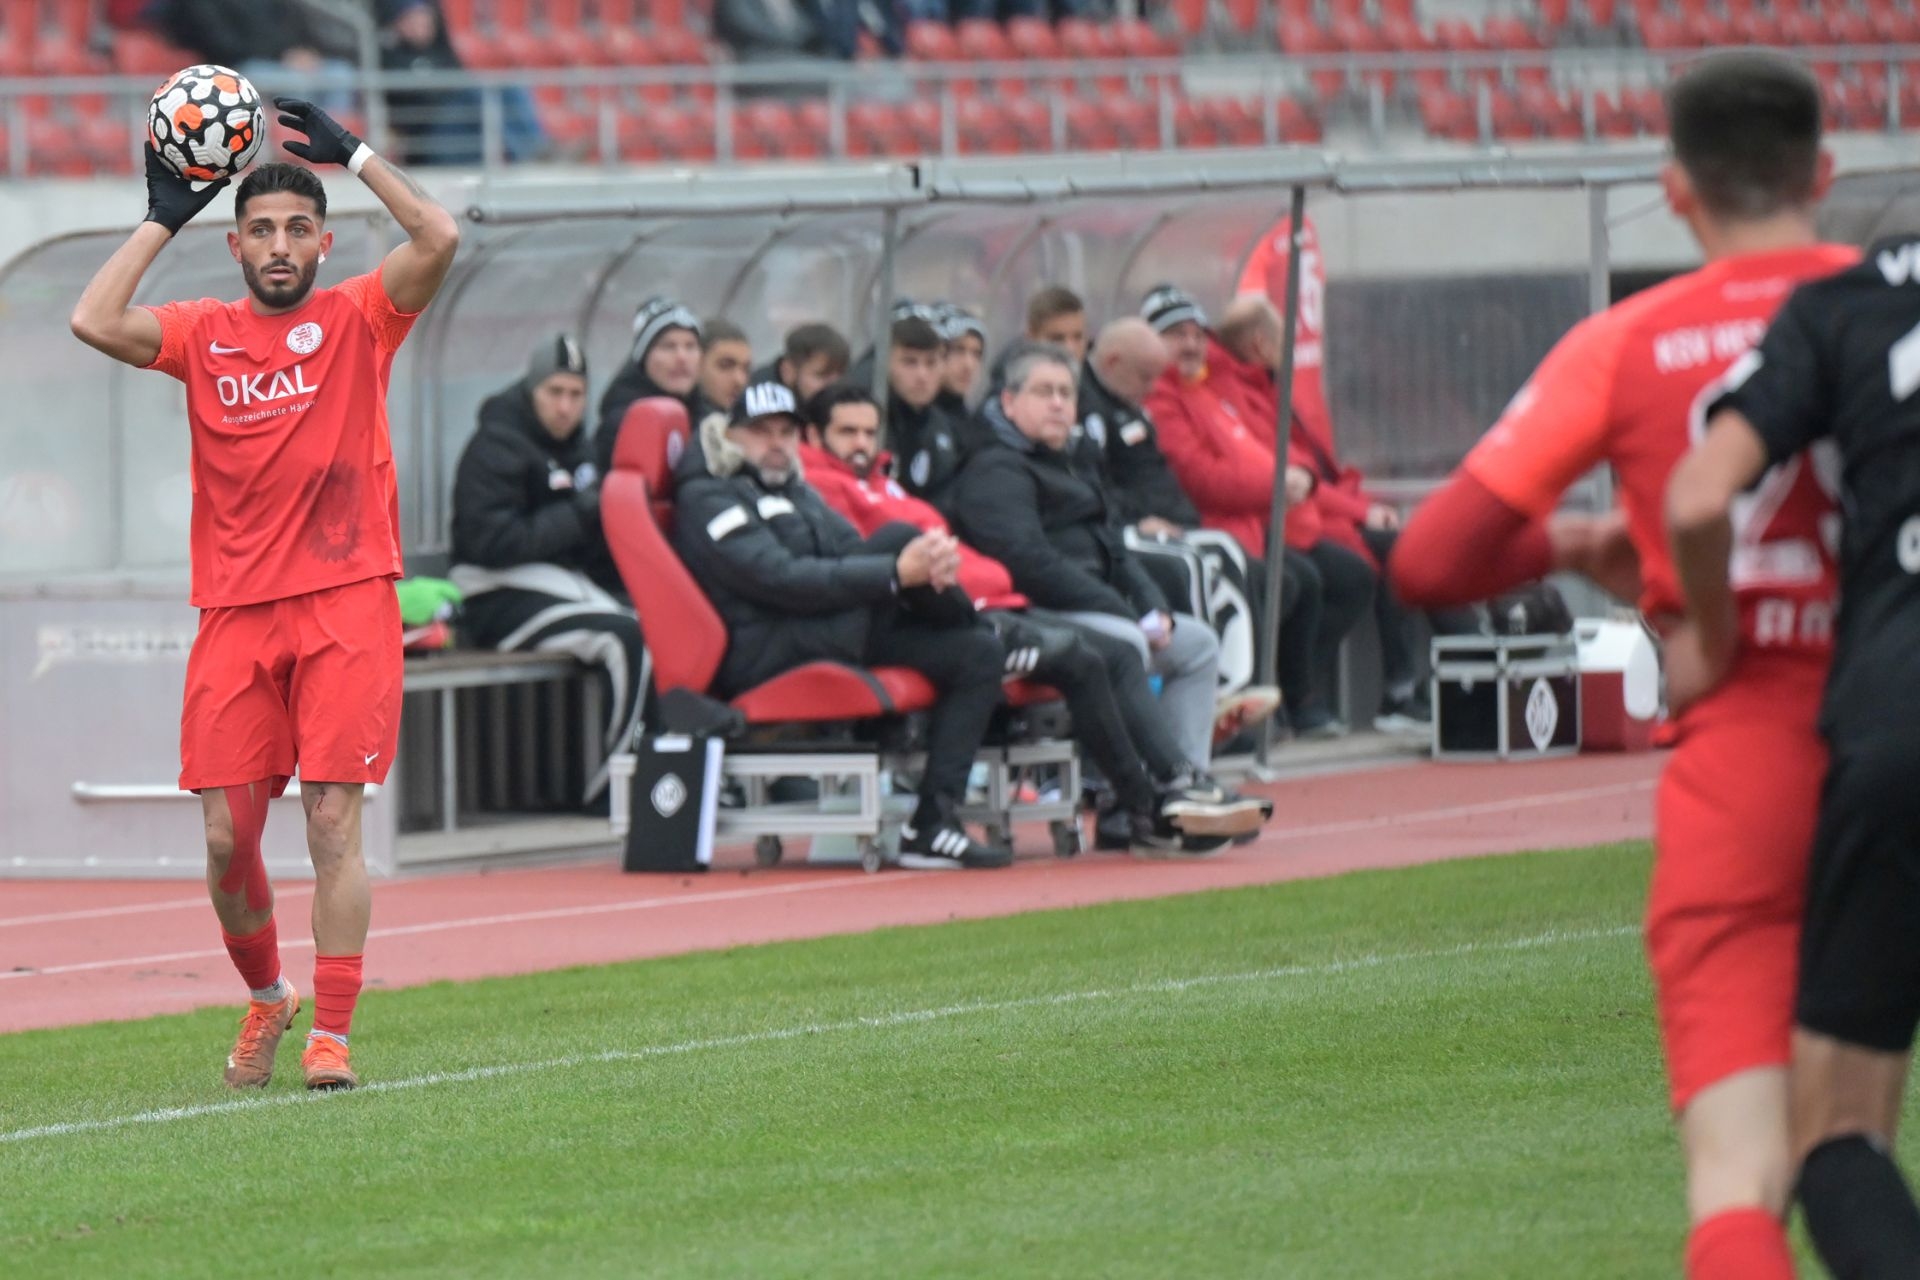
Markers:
point(879, 1022)
point(644, 904)
point(1460, 811)
point(469, 922)
point(140, 908)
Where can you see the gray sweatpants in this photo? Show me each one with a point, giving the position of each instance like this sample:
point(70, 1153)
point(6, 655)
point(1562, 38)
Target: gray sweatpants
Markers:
point(1189, 671)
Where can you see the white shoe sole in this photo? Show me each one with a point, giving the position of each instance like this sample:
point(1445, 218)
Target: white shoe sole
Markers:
point(1230, 819)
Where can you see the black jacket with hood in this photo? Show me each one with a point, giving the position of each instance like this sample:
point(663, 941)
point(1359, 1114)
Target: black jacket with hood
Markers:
point(792, 580)
point(526, 507)
point(1052, 525)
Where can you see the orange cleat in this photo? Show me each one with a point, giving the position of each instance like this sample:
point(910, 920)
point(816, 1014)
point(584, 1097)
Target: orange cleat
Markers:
point(250, 1065)
point(325, 1063)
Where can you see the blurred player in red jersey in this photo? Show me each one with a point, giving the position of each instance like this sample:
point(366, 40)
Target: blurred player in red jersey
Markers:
point(1737, 802)
point(295, 545)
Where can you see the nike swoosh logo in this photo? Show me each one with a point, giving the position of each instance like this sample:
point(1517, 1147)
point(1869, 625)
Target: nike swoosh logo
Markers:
point(226, 351)
point(373, 757)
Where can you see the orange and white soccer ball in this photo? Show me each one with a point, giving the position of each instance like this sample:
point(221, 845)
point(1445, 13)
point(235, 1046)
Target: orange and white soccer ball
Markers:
point(207, 122)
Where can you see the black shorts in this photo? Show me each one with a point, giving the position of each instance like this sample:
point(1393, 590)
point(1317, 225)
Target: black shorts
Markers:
point(1860, 950)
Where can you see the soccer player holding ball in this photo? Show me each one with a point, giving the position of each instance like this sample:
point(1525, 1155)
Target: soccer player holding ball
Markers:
point(295, 545)
point(1734, 819)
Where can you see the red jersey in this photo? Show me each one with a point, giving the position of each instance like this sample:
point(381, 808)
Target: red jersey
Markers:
point(293, 484)
point(1629, 387)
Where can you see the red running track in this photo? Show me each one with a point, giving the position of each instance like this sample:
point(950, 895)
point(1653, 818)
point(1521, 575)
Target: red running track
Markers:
point(89, 951)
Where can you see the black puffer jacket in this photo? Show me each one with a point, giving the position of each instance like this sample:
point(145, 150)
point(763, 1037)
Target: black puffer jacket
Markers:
point(1121, 437)
point(1050, 524)
point(929, 447)
point(791, 579)
point(630, 384)
point(522, 497)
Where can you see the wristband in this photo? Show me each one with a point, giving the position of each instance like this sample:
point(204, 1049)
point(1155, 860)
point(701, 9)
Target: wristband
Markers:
point(358, 160)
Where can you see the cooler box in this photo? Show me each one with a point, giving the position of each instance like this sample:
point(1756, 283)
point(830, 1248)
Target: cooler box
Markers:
point(1619, 685)
point(1505, 697)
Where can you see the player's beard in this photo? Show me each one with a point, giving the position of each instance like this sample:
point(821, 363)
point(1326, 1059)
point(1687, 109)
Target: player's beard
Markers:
point(861, 461)
point(285, 295)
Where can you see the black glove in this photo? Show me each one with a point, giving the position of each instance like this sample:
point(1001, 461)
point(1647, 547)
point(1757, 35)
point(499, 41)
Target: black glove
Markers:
point(327, 142)
point(171, 199)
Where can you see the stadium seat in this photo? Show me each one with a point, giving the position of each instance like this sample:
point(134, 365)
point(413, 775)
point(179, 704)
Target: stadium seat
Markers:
point(1089, 129)
point(684, 635)
point(1032, 121)
point(1138, 39)
point(982, 40)
point(1194, 126)
point(1602, 14)
point(1297, 124)
point(1512, 34)
point(1663, 32)
point(142, 53)
point(1708, 29)
point(1611, 119)
point(1243, 17)
point(932, 42)
point(1892, 25)
point(986, 128)
point(1033, 39)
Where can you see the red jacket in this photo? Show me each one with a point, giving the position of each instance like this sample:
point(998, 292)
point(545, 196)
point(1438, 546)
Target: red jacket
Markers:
point(877, 500)
point(1222, 453)
point(1337, 508)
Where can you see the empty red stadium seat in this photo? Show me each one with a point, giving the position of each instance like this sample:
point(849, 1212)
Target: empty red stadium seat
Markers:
point(142, 53)
point(1892, 25)
point(1760, 26)
point(1446, 114)
point(1460, 37)
point(1243, 17)
point(1602, 13)
point(986, 128)
point(685, 635)
point(1511, 33)
point(982, 40)
point(1088, 128)
point(1610, 119)
point(1138, 39)
point(1664, 31)
point(932, 42)
point(1298, 124)
point(1193, 125)
point(1032, 120)
point(1033, 38)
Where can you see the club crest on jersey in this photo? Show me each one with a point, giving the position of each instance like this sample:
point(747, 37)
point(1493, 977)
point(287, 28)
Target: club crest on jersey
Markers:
point(304, 339)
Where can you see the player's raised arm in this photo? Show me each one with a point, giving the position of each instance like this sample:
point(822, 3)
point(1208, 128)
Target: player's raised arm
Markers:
point(412, 273)
point(105, 317)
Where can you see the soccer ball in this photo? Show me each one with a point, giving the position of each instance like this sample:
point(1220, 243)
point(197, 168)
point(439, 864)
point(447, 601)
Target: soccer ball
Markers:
point(206, 122)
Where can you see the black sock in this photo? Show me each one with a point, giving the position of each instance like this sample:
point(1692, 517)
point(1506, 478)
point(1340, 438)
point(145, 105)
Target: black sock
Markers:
point(1859, 1211)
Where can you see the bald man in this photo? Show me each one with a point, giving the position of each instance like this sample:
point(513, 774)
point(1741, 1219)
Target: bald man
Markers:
point(1116, 434)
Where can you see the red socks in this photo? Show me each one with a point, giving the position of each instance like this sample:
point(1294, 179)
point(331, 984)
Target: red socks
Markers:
point(336, 985)
point(1739, 1244)
point(256, 956)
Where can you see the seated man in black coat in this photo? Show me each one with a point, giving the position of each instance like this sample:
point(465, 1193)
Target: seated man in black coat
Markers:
point(527, 548)
point(1020, 500)
point(795, 583)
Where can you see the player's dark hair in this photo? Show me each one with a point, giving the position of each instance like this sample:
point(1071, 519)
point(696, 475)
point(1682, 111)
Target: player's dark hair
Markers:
point(1050, 304)
point(818, 411)
point(718, 330)
point(1746, 128)
point(275, 176)
point(810, 340)
point(915, 334)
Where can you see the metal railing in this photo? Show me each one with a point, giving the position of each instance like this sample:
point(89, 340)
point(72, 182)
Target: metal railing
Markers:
point(700, 114)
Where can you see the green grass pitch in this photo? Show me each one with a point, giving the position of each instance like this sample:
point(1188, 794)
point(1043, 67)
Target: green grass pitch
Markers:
point(1444, 1071)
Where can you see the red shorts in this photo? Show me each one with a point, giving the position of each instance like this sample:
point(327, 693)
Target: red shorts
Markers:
point(1733, 837)
point(311, 681)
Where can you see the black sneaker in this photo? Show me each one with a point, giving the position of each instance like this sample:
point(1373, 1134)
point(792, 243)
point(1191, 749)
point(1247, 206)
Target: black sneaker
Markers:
point(1408, 715)
point(1207, 789)
point(946, 846)
point(1156, 838)
point(1112, 829)
point(1316, 724)
point(1209, 809)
